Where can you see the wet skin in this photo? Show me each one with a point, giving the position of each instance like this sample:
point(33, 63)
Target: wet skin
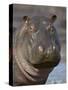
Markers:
point(36, 50)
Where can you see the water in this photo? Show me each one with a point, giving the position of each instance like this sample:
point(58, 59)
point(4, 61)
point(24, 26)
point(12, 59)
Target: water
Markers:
point(58, 75)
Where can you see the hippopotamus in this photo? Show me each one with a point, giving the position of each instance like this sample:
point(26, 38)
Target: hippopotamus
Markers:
point(36, 50)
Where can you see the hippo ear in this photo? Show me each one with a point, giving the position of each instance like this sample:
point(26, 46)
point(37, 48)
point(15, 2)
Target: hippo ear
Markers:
point(26, 18)
point(52, 19)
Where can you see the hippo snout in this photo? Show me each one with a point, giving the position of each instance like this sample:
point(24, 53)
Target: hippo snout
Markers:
point(48, 58)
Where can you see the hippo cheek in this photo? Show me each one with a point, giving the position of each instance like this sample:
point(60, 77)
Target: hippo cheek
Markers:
point(52, 60)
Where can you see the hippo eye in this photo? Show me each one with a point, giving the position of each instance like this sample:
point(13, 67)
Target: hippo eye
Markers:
point(32, 28)
point(52, 29)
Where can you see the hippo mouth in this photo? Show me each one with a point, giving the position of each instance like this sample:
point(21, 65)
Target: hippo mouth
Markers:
point(47, 64)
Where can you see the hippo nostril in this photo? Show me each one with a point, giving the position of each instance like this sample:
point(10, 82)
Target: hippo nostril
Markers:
point(49, 50)
point(54, 47)
point(40, 48)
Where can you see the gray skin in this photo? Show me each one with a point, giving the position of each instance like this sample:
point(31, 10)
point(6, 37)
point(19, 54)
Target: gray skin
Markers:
point(36, 50)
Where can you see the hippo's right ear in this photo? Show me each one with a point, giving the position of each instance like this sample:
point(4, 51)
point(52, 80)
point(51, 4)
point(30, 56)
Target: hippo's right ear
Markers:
point(26, 18)
point(52, 18)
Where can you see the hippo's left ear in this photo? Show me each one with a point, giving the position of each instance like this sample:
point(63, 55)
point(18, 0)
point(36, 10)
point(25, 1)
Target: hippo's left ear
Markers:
point(26, 18)
point(52, 19)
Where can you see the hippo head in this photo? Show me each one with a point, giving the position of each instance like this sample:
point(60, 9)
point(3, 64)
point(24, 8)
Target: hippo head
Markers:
point(39, 41)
